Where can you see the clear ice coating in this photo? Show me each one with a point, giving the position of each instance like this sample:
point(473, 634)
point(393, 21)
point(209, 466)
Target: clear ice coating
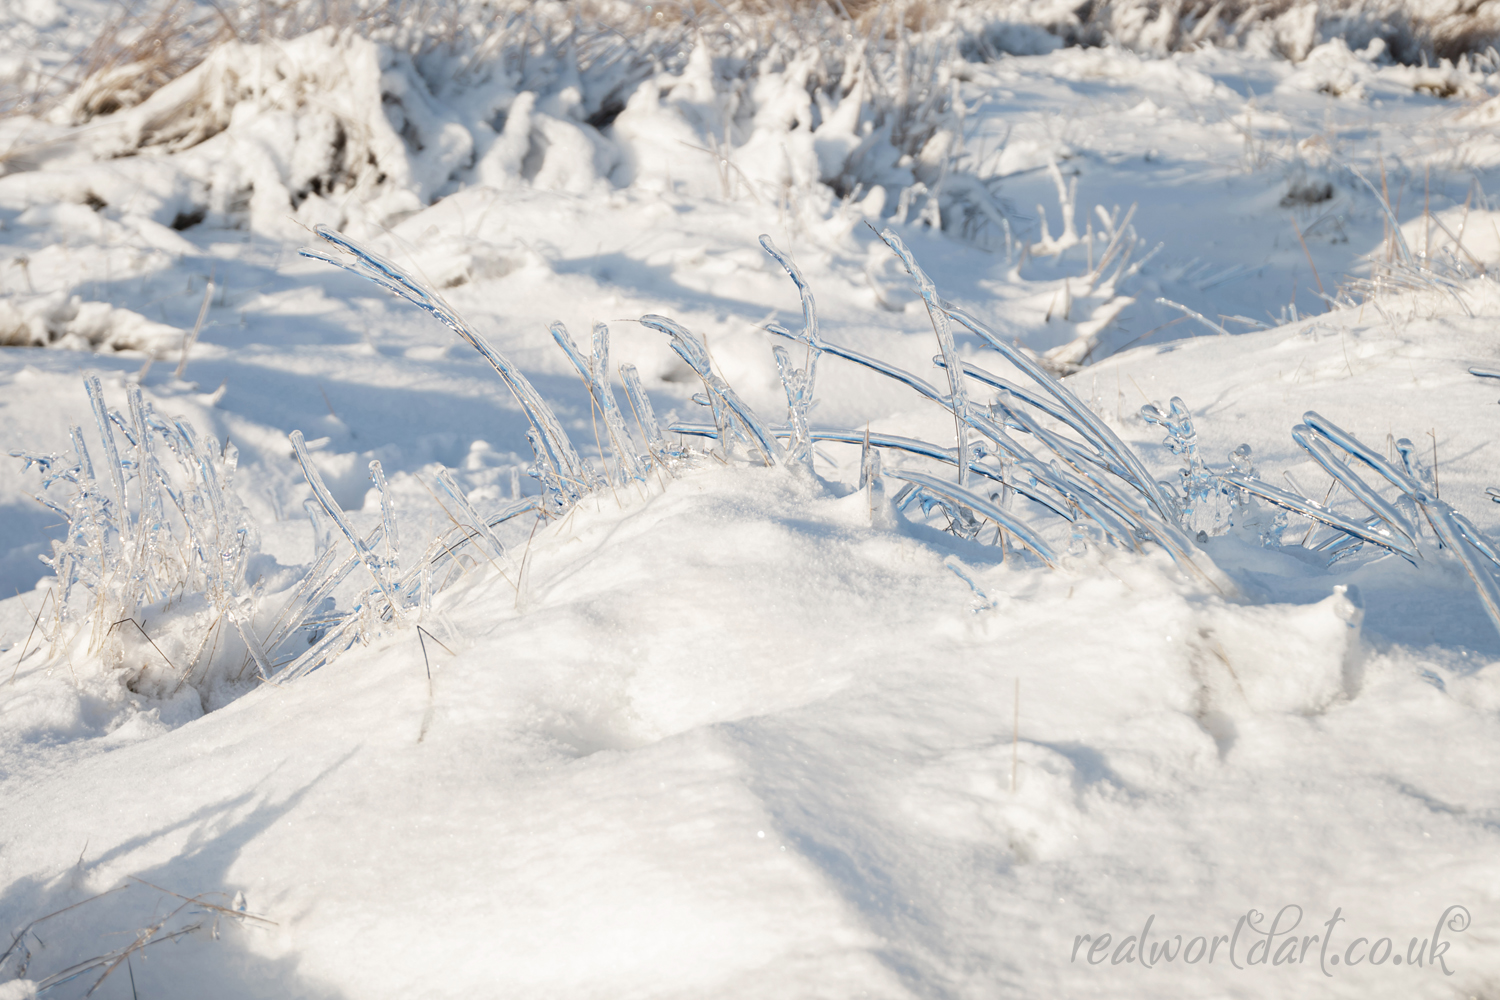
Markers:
point(470, 517)
point(942, 325)
point(164, 528)
point(1205, 509)
point(569, 474)
point(797, 382)
point(390, 550)
point(151, 511)
point(645, 416)
point(376, 567)
point(732, 416)
point(595, 374)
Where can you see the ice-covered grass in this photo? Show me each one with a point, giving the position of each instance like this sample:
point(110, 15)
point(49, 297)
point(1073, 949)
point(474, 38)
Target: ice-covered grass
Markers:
point(744, 692)
point(169, 542)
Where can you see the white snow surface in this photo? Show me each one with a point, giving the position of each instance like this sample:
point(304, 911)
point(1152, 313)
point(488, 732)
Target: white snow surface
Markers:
point(745, 732)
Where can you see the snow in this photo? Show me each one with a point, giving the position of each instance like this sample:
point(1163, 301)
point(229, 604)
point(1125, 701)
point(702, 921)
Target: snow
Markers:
point(731, 727)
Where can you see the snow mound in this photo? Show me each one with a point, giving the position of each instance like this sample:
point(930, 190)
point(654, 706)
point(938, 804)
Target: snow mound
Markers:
point(71, 323)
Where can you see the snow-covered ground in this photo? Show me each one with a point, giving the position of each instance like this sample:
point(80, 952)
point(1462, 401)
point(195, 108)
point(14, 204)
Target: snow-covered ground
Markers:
point(726, 728)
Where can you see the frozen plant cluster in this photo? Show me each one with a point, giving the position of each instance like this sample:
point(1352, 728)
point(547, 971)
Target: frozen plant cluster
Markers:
point(157, 557)
point(155, 535)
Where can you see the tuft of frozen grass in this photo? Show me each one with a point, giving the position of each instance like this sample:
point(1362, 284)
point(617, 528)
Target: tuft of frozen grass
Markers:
point(155, 534)
point(153, 569)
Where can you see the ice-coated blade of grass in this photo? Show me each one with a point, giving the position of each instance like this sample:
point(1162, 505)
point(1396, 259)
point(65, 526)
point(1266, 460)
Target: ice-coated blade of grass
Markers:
point(1194, 314)
point(467, 511)
point(604, 395)
point(334, 641)
point(334, 511)
point(595, 374)
point(371, 266)
point(247, 633)
point(1113, 516)
point(111, 453)
point(1337, 435)
point(1317, 512)
point(942, 326)
point(306, 596)
point(980, 505)
point(149, 482)
point(996, 382)
point(1358, 488)
point(1451, 533)
point(640, 403)
point(1071, 452)
point(1084, 420)
point(901, 375)
point(911, 446)
point(1474, 537)
point(692, 350)
point(81, 451)
point(798, 382)
point(391, 542)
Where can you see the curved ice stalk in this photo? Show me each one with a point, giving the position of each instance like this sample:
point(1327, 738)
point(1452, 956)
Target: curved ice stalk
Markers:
point(1116, 519)
point(996, 382)
point(982, 505)
point(691, 350)
point(1317, 512)
point(1451, 533)
point(901, 375)
point(640, 403)
point(798, 382)
point(1474, 537)
point(912, 446)
point(942, 326)
point(1083, 420)
point(1357, 487)
point(1336, 434)
point(373, 267)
